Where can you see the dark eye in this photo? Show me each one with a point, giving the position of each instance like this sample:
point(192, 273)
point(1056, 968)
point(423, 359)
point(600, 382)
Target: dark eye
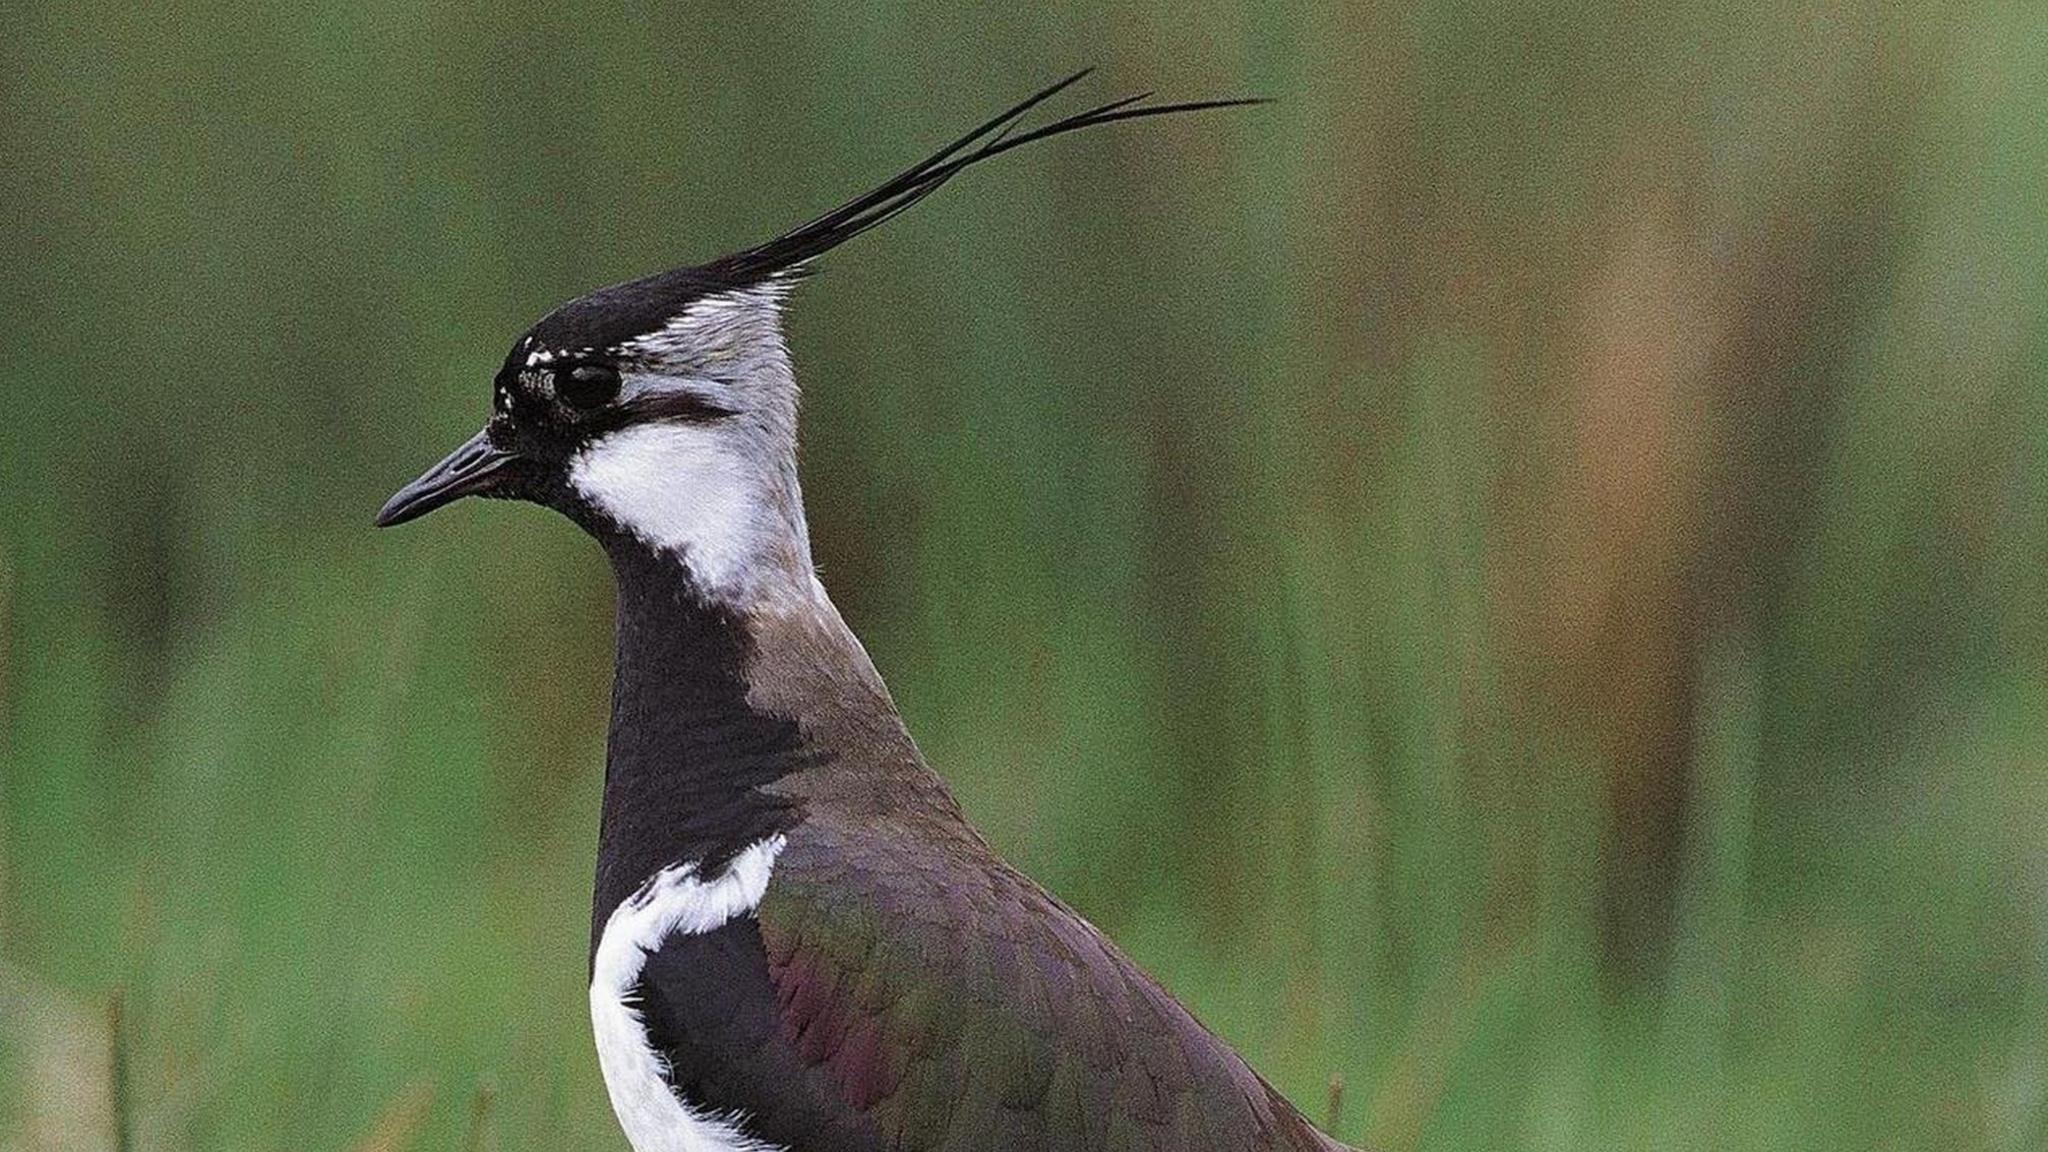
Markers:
point(587, 385)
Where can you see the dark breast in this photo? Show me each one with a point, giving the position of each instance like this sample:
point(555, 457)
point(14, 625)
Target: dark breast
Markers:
point(713, 1011)
point(902, 989)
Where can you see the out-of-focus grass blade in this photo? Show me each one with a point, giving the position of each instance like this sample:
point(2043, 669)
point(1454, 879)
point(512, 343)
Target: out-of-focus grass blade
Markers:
point(117, 1077)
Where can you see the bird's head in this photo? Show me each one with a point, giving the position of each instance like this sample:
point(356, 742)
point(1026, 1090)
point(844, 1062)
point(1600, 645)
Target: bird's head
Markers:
point(662, 411)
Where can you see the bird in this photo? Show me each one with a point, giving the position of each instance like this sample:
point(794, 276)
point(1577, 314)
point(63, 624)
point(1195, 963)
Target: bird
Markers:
point(798, 941)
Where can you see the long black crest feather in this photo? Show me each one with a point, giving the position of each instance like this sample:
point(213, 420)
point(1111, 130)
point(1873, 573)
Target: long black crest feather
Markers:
point(613, 316)
point(787, 253)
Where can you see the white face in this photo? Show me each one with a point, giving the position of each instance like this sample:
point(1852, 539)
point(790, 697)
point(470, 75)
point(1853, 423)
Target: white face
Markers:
point(686, 489)
point(721, 493)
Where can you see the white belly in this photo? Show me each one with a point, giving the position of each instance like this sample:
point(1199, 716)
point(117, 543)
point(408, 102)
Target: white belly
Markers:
point(674, 903)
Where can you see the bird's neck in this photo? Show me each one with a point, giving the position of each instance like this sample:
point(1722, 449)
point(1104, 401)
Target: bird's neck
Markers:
point(690, 755)
point(733, 719)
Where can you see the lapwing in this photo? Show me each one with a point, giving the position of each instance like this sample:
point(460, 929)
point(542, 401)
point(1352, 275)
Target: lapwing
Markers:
point(798, 942)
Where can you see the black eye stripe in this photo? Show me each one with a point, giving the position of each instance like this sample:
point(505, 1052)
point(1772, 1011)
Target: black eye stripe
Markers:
point(672, 406)
point(688, 407)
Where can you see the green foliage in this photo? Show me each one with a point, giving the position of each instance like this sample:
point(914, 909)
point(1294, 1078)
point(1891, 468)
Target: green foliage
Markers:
point(1513, 575)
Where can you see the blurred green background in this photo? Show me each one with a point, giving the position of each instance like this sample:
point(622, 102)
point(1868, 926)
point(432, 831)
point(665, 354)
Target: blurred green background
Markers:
point(1513, 576)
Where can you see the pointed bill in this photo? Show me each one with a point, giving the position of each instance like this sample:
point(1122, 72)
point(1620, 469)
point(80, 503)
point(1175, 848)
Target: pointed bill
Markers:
point(471, 470)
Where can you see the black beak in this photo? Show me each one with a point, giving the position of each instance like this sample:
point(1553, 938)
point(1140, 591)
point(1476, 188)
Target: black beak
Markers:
point(475, 469)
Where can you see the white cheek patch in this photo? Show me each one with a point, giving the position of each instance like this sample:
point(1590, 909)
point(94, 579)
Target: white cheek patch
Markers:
point(685, 488)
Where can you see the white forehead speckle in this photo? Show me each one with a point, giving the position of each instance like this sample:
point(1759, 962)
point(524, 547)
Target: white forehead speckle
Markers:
point(541, 357)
